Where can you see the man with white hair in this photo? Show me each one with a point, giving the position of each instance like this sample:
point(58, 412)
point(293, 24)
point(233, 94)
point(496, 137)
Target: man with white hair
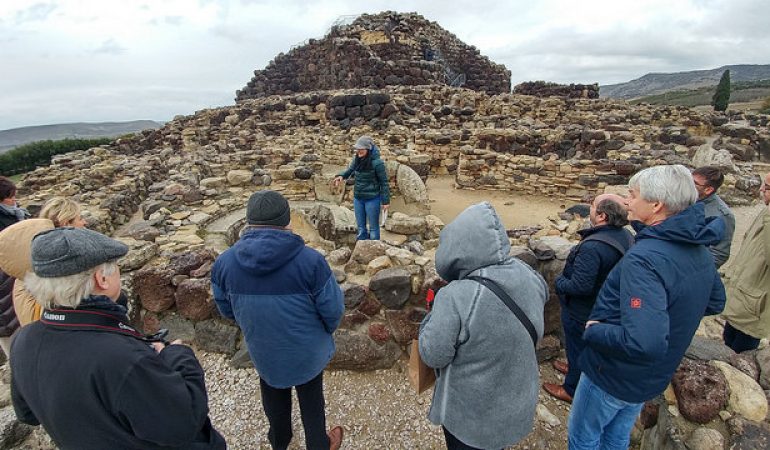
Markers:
point(648, 308)
point(85, 374)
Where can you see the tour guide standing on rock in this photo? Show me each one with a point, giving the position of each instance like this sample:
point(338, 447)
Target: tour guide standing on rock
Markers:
point(371, 190)
point(81, 371)
point(484, 354)
point(287, 301)
point(648, 309)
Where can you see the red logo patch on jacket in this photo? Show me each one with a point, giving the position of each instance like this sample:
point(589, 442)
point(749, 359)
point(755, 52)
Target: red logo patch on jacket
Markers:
point(636, 302)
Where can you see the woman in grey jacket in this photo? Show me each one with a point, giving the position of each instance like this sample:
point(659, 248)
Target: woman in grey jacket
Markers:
point(487, 374)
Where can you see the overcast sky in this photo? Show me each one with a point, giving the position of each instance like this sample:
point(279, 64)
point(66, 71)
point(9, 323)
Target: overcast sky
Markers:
point(115, 60)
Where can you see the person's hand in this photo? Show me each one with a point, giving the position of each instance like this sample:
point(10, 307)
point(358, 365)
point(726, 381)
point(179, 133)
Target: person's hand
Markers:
point(158, 346)
point(337, 180)
point(591, 322)
point(385, 207)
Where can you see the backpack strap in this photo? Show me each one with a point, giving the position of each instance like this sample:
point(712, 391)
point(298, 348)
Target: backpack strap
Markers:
point(502, 295)
point(614, 243)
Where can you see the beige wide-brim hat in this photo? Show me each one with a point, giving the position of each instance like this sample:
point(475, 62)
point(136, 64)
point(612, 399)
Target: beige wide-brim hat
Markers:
point(16, 245)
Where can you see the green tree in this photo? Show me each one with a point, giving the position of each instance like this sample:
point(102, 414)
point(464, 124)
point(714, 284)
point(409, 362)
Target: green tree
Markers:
point(722, 95)
point(29, 156)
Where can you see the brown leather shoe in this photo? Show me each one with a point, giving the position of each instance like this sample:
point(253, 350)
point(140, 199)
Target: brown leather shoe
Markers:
point(335, 437)
point(561, 366)
point(557, 391)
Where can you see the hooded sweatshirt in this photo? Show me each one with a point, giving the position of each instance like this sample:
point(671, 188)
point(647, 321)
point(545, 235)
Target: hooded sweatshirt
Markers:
point(651, 304)
point(487, 385)
point(286, 301)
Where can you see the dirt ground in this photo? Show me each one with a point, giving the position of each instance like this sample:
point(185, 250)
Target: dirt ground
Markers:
point(515, 210)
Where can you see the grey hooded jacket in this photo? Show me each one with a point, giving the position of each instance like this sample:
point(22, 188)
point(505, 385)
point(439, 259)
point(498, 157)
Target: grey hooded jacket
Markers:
point(488, 380)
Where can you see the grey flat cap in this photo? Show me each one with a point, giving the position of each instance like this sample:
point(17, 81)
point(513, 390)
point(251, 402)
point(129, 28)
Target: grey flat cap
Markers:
point(67, 251)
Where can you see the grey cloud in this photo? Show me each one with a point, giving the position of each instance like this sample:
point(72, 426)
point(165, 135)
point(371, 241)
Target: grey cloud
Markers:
point(168, 20)
point(110, 47)
point(36, 12)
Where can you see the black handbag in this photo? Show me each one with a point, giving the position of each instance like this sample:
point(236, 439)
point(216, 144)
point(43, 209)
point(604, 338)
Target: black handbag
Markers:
point(502, 295)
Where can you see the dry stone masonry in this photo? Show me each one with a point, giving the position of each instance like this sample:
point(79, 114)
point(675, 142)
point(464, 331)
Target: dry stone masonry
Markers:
point(386, 49)
point(177, 195)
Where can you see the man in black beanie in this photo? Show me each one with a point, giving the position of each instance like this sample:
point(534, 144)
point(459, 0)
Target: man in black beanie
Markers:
point(287, 301)
point(85, 374)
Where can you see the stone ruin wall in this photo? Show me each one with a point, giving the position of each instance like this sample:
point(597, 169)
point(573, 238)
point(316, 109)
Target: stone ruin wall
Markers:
point(543, 89)
point(189, 182)
point(185, 177)
point(375, 51)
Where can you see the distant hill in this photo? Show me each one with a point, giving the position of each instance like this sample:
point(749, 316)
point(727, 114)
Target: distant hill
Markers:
point(742, 91)
point(659, 83)
point(24, 135)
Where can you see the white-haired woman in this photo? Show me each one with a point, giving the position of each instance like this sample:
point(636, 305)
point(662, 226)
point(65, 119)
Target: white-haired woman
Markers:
point(15, 244)
point(648, 309)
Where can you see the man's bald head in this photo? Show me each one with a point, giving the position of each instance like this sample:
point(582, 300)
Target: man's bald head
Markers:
point(609, 209)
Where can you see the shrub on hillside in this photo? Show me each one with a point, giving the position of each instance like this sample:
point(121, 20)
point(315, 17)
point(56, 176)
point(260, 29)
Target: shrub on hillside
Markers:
point(29, 156)
point(765, 108)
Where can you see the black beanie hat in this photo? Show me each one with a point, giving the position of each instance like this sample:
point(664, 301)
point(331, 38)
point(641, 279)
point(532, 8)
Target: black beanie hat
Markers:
point(268, 208)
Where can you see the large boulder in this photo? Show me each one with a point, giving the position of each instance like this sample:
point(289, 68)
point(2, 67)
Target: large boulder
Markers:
point(12, 432)
point(194, 300)
point(402, 224)
point(701, 390)
point(706, 155)
point(357, 352)
point(216, 336)
point(745, 435)
point(153, 287)
point(365, 251)
point(746, 396)
point(410, 185)
point(391, 287)
point(707, 349)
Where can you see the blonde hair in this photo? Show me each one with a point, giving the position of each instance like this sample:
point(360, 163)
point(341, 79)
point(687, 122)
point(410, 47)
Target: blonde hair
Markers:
point(67, 291)
point(61, 211)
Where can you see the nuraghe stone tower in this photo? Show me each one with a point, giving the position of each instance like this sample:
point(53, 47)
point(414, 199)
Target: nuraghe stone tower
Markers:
point(375, 51)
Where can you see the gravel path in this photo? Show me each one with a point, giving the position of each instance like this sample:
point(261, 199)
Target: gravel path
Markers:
point(379, 410)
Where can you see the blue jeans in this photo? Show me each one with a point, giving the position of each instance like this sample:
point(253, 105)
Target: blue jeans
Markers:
point(367, 211)
point(574, 344)
point(598, 420)
point(738, 340)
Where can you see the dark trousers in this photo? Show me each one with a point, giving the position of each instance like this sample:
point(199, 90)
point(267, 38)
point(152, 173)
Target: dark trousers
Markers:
point(277, 405)
point(738, 340)
point(574, 345)
point(452, 443)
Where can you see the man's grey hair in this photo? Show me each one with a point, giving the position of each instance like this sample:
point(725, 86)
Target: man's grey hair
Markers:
point(67, 291)
point(671, 185)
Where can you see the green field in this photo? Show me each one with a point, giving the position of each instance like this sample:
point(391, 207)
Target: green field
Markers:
point(744, 91)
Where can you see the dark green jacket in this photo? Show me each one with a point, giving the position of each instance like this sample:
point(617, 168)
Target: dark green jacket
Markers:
point(369, 183)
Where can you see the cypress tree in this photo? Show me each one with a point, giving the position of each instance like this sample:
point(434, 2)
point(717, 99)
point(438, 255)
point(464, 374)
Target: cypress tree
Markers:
point(722, 95)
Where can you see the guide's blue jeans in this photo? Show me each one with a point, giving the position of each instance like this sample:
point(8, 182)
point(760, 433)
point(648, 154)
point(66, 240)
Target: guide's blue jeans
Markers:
point(367, 211)
point(598, 420)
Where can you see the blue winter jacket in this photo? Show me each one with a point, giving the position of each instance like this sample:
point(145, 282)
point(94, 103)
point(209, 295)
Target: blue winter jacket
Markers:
point(285, 299)
point(651, 304)
point(587, 266)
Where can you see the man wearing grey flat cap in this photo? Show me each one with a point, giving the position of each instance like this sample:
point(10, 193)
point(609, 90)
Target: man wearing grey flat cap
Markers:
point(86, 375)
point(287, 302)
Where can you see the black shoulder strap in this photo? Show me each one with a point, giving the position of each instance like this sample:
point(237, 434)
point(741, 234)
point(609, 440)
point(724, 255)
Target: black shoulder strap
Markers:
point(73, 319)
point(607, 240)
point(494, 287)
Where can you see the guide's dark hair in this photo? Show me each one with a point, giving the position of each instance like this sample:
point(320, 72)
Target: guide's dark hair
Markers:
point(712, 175)
point(615, 212)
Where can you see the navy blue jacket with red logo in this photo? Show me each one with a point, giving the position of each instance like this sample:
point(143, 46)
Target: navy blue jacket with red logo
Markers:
point(651, 304)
